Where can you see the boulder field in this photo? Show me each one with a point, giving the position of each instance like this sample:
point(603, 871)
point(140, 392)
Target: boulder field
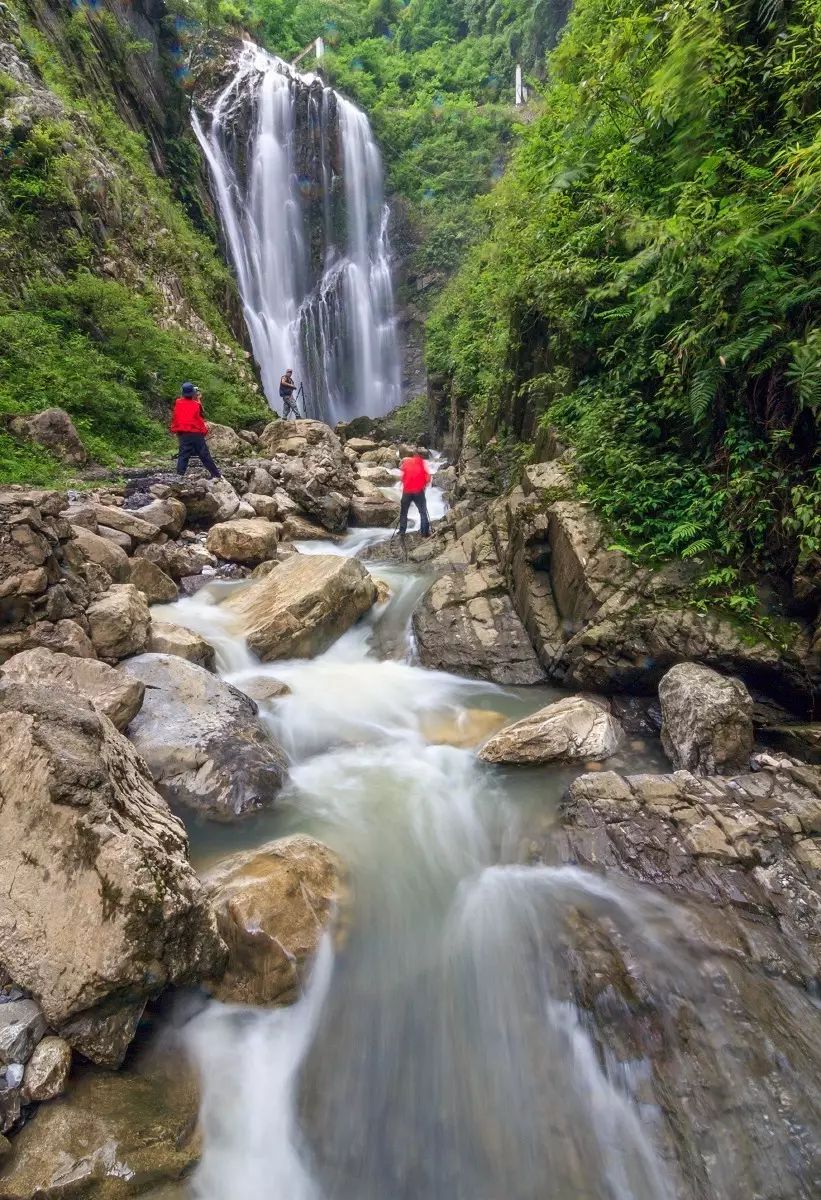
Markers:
point(114, 724)
point(107, 716)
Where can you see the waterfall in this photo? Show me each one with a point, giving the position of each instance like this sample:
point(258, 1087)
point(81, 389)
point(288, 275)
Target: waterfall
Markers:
point(297, 179)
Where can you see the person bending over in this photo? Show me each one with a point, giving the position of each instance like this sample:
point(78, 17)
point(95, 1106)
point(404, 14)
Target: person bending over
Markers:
point(415, 479)
point(287, 387)
point(188, 422)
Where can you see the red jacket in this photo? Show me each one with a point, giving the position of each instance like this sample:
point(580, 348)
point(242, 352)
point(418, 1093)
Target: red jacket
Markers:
point(415, 476)
point(187, 416)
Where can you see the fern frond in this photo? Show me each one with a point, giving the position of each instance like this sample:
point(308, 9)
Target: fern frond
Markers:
point(703, 392)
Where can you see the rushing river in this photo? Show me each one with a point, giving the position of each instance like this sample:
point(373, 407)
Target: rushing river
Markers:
point(437, 1052)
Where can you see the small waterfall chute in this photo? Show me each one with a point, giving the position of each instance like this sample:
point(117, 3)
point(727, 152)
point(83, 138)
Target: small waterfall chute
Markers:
point(297, 179)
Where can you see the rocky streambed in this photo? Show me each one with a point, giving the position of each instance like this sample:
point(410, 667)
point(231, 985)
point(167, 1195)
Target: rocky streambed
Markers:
point(301, 904)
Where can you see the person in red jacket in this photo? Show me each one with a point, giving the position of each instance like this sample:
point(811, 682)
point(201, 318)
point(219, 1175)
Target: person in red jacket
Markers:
point(188, 422)
point(415, 479)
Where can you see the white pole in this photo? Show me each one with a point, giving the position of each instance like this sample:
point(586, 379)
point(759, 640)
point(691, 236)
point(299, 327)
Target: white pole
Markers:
point(519, 89)
point(320, 48)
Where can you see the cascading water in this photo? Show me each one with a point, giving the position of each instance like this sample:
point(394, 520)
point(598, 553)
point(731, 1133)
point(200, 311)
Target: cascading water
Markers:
point(479, 1029)
point(297, 178)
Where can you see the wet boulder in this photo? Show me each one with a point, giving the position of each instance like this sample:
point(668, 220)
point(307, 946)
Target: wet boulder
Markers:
point(111, 1136)
point(707, 720)
point(203, 742)
point(119, 622)
point(303, 606)
point(576, 728)
point(104, 908)
point(110, 691)
point(466, 624)
point(272, 906)
point(252, 540)
point(22, 1025)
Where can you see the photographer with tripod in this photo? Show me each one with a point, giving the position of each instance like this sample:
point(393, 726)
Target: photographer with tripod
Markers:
point(287, 387)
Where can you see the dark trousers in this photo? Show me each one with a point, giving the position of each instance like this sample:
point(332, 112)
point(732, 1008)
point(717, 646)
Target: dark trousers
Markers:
point(288, 407)
point(193, 445)
point(417, 498)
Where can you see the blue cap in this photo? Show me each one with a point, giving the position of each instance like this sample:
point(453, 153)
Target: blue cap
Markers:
point(188, 389)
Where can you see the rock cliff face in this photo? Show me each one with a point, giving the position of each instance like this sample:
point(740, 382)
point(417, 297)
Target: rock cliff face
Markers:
point(595, 619)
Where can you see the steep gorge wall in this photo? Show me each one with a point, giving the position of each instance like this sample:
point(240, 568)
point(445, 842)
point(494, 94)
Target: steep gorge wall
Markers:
point(76, 191)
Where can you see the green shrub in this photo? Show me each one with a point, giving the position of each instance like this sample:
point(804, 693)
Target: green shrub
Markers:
point(96, 349)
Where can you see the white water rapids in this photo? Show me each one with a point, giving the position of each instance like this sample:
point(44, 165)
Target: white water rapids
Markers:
point(297, 178)
point(435, 1054)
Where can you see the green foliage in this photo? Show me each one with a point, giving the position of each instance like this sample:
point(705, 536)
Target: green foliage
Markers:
point(651, 264)
point(96, 349)
point(410, 422)
point(79, 194)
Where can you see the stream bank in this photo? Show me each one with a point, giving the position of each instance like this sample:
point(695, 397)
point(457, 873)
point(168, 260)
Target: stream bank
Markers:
point(504, 1001)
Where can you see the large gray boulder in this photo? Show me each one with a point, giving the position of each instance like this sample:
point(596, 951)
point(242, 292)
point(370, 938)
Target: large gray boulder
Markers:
point(272, 906)
point(707, 720)
point(303, 606)
point(102, 908)
point(576, 728)
point(111, 692)
point(202, 739)
point(466, 624)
